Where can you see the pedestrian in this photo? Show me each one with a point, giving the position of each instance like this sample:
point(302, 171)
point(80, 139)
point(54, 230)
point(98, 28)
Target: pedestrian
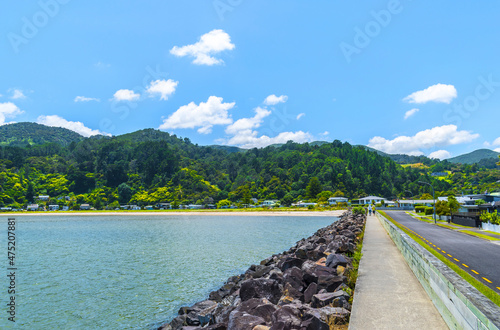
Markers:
point(374, 209)
point(370, 209)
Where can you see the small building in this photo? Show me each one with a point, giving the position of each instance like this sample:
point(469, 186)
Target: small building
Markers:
point(53, 207)
point(149, 207)
point(270, 203)
point(65, 208)
point(85, 207)
point(33, 207)
point(304, 204)
point(164, 206)
point(336, 200)
point(370, 200)
point(194, 207)
point(43, 197)
point(5, 209)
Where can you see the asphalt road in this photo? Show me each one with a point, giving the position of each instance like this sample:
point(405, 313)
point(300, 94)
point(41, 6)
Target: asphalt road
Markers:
point(480, 258)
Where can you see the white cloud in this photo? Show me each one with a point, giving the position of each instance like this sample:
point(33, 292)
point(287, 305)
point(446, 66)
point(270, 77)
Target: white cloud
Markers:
point(440, 154)
point(244, 124)
point(411, 112)
point(244, 135)
point(412, 145)
point(164, 88)
point(204, 115)
point(17, 94)
point(8, 110)
point(126, 95)
point(496, 142)
point(209, 44)
point(324, 134)
point(273, 99)
point(76, 126)
point(86, 99)
point(497, 149)
point(300, 115)
point(440, 93)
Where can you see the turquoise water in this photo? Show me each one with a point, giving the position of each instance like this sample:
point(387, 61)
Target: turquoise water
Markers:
point(133, 272)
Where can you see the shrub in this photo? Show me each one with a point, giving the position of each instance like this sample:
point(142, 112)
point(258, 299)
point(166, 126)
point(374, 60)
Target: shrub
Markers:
point(429, 210)
point(493, 218)
point(358, 210)
point(419, 209)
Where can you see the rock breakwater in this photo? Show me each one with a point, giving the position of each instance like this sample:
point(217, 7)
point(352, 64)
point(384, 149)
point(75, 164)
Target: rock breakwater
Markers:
point(306, 287)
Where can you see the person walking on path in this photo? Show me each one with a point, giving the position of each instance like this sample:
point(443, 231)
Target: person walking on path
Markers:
point(370, 209)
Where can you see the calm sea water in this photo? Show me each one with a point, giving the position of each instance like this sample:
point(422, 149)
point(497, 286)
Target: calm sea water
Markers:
point(133, 272)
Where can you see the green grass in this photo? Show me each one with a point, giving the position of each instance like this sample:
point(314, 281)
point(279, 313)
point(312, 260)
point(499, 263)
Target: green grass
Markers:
point(352, 276)
point(492, 232)
point(489, 293)
point(489, 238)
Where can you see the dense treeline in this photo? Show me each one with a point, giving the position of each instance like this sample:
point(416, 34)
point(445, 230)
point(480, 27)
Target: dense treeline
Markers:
point(150, 166)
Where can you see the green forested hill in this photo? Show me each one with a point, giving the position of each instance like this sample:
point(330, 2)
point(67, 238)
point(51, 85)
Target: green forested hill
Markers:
point(23, 134)
point(475, 156)
point(150, 166)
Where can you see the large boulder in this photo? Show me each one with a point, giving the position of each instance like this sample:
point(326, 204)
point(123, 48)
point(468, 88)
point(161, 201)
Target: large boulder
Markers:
point(258, 307)
point(260, 288)
point(244, 321)
point(334, 260)
point(324, 299)
point(287, 317)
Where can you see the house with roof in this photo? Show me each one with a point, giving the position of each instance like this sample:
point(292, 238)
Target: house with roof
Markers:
point(85, 207)
point(53, 207)
point(369, 200)
point(336, 200)
point(33, 207)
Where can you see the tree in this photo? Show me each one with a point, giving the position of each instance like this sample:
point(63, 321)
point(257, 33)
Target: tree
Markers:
point(313, 188)
point(30, 192)
point(124, 192)
point(453, 204)
point(442, 208)
point(287, 200)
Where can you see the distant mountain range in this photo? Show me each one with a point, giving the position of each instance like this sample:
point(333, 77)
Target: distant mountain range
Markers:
point(475, 156)
point(23, 134)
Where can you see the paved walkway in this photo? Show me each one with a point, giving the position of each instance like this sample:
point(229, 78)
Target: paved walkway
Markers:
point(388, 295)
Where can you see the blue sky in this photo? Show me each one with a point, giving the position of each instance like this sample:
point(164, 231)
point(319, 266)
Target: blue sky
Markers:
point(415, 77)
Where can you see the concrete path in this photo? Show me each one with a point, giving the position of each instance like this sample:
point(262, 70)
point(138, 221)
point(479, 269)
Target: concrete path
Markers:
point(388, 295)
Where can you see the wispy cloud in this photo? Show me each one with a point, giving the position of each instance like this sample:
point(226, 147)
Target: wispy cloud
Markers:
point(413, 145)
point(273, 99)
point(17, 94)
point(76, 126)
point(204, 115)
point(300, 115)
point(86, 99)
point(210, 44)
point(411, 112)
point(439, 93)
point(126, 95)
point(164, 88)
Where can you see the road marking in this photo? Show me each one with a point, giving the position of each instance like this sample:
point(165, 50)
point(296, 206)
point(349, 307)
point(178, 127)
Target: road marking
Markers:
point(498, 287)
point(472, 270)
point(443, 251)
point(449, 255)
point(456, 259)
point(439, 248)
point(434, 245)
point(465, 265)
point(484, 278)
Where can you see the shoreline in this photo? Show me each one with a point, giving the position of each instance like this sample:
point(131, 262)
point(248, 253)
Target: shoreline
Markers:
point(334, 213)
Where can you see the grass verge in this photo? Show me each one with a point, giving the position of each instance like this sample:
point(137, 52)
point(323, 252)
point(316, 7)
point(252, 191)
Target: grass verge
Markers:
point(489, 293)
point(492, 232)
point(489, 238)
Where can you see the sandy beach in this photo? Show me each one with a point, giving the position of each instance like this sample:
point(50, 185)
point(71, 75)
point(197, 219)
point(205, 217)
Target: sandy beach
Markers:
point(335, 213)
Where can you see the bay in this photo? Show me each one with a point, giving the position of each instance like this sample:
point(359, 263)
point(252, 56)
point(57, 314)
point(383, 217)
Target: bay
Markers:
point(134, 272)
